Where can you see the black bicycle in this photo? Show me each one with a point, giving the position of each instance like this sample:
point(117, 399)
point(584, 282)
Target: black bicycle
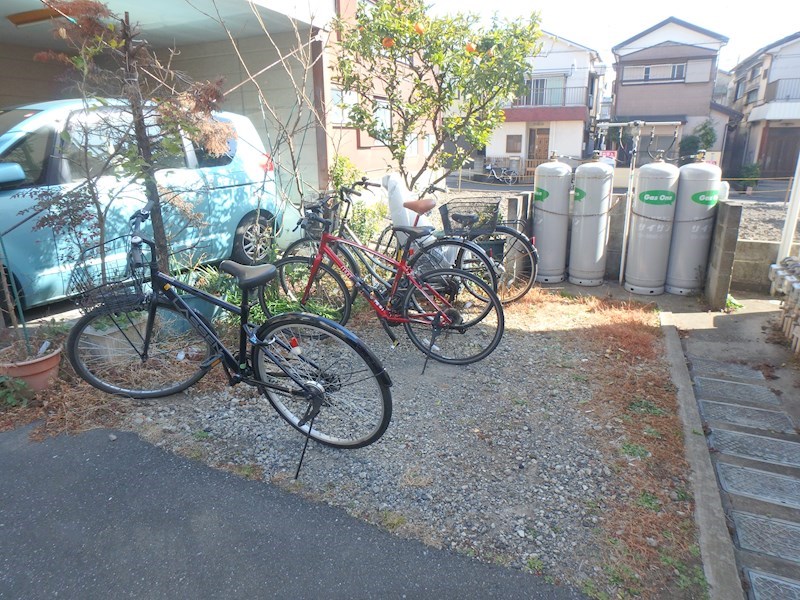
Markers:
point(141, 339)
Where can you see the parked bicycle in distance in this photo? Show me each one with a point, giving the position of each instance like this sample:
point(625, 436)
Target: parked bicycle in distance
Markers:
point(141, 339)
point(501, 174)
point(451, 315)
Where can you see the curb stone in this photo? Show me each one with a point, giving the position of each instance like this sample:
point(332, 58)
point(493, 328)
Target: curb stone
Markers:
point(716, 546)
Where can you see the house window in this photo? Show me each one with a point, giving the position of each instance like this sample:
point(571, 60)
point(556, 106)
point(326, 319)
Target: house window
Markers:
point(752, 96)
point(537, 87)
point(663, 73)
point(341, 102)
point(513, 144)
point(412, 146)
point(383, 115)
point(755, 72)
point(739, 89)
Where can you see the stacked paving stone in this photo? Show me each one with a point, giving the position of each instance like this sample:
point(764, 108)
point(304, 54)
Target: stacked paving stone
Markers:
point(785, 279)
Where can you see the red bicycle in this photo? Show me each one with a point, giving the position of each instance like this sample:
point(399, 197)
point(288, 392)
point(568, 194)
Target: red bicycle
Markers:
point(451, 315)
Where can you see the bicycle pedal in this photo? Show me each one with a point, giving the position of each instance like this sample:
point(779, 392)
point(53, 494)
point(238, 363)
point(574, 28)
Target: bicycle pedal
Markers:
point(211, 361)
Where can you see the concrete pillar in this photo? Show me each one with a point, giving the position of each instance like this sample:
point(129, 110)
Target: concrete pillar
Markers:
point(723, 251)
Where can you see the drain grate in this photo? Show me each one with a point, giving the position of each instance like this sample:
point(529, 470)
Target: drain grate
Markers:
point(757, 447)
point(715, 368)
point(761, 485)
point(768, 536)
point(745, 416)
point(708, 388)
point(772, 587)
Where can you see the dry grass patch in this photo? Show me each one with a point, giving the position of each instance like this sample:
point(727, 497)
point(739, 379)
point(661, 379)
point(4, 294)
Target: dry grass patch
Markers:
point(648, 524)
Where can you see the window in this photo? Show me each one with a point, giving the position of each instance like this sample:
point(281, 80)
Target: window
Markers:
point(537, 87)
point(93, 143)
point(662, 73)
point(739, 91)
point(341, 102)
point(755, 72)
point(383, 115)
point(513, 144)
point(412, 146)
point(31, 154)
point(752, 96)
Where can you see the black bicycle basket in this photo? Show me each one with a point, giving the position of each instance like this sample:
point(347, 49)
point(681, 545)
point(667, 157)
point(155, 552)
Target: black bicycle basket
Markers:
point(104, 274)
point(470, 216)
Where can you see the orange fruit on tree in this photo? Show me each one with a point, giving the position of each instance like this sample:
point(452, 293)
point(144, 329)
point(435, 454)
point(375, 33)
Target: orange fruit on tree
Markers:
point(471, 48)
point(419, 28)
point(387, 42)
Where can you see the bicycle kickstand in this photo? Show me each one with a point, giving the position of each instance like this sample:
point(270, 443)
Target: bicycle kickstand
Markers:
point(435, 330)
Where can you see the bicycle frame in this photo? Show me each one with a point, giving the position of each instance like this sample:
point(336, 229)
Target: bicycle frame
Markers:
point(402, 270)
point(165, 286)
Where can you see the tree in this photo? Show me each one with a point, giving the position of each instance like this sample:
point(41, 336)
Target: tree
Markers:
point(447, 77)
point(106, 60)
point(706, 133)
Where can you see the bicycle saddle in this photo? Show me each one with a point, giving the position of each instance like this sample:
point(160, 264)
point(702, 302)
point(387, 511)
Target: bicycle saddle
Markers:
point(415, 232)
point(248, 277)
point(420, 206)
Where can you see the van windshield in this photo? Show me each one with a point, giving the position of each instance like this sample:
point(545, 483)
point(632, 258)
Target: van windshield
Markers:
point(14, 116)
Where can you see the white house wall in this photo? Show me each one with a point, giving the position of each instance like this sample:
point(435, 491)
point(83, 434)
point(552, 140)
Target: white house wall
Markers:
point(674, 33)
point(786, 64)
point(566, 138)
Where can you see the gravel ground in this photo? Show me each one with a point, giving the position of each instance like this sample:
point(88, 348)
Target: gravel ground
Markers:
point(494, 459)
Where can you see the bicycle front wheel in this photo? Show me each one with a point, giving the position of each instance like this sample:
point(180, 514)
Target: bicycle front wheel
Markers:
point(294, 290)
point(308, 247)
point(146, 350)
point(337, 374)
point(454, 317)
point(515, 258)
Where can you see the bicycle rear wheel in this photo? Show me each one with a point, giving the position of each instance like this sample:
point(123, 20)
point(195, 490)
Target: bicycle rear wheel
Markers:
point(447, 253)
point(143, 351)
point(516, 261)
point(349, 382)
point(327, 296)
point(454, 317)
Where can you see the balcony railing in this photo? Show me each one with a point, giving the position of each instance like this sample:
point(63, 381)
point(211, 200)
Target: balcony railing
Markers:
point(566, 96)
point(783, 90)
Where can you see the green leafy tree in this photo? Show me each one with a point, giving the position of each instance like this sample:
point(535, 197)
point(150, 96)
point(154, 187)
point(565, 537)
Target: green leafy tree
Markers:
point(447, 77)
point(706, 134)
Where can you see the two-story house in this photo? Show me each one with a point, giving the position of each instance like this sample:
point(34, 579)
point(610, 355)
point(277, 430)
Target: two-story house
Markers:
point(766, 89)
point(557, 111)
point(668, 73)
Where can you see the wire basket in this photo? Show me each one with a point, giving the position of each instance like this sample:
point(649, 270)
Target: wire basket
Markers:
point(470, 216)
point(104, 274)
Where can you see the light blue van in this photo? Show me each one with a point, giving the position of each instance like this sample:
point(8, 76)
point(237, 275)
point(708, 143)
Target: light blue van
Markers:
point(215, 206)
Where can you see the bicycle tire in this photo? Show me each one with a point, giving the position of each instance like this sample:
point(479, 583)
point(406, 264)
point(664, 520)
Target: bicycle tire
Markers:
point(478, 318)
point(513, 177)
point(357, 405)
point(106, 347)
point(308, 247)
point(328, 295)
point(455, 253)
point(518, 265)
point(388, 244)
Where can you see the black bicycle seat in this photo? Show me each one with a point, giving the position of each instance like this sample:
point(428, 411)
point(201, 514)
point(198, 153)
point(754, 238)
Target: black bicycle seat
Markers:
point(249, 276)
point(415, 232)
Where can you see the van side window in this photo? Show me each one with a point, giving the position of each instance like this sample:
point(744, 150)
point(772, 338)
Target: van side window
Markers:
point(31, 153)
point(206, 159)
point(94, 144)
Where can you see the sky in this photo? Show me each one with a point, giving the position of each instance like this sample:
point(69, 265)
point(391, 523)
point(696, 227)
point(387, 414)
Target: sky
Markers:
point(601, 26)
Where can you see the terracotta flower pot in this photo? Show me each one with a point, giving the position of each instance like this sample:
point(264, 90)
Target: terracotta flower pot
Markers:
point(39, 373)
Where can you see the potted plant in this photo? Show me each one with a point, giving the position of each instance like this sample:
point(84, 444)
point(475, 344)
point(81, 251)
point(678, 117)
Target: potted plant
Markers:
point(25, 354)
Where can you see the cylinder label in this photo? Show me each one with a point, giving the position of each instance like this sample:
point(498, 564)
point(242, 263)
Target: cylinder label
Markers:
point(709, 198)
point(539, 195)
point(657, 197)
point(579, 194)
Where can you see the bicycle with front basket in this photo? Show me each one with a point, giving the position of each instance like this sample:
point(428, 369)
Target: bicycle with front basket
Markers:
point(141, 339)
point(451, 315)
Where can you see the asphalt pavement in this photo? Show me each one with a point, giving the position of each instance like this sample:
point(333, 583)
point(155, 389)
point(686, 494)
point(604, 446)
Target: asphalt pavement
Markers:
point(106, 515)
